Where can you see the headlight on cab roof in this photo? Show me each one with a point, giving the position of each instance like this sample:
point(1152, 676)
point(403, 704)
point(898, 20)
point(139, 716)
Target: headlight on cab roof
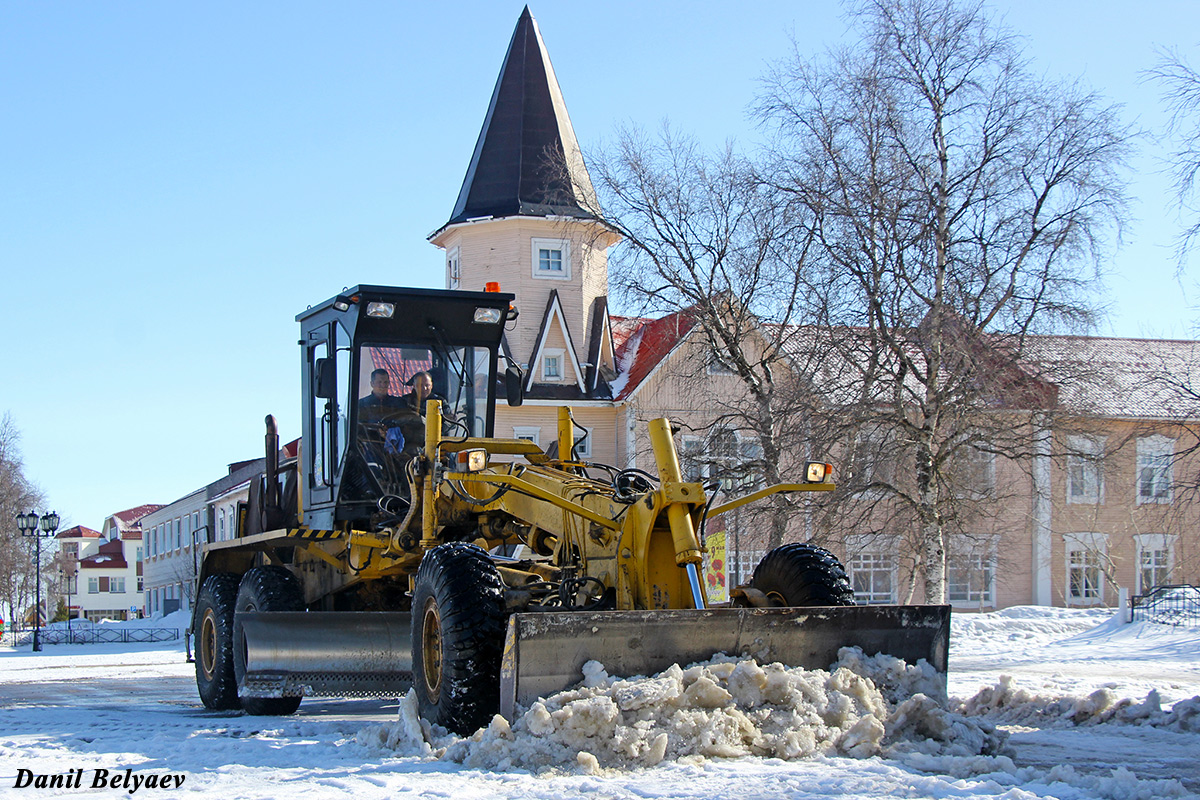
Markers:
point(488, 316)
point(816, 472)
point(471, 460)
point(381, 310)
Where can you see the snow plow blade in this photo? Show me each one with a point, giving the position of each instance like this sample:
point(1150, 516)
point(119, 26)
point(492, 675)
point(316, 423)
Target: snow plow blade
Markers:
point(545, 653)
point(326, 654)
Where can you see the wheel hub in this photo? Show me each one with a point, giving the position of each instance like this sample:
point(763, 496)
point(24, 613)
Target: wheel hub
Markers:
point(431, 651)
point(208, 645)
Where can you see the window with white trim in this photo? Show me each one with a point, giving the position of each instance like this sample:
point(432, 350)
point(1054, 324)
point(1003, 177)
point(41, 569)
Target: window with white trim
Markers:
point(874, 457)
point(453, 269)
point(1154, 561)
point(93, 586)
point(583, 442)
point(970, 579)
point(1154, 457)
point(552, 259)
point(974, 468)
point(552, 365)
point(1085, 478)
point(873, 578)
point(1085, 554)
point(691, 456)
point(528, 433)
point(116, 585)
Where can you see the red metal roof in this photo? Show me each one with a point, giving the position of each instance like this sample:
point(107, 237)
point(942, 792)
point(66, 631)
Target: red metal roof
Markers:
point(643, 344)
point(131, 515)
point(78, 532)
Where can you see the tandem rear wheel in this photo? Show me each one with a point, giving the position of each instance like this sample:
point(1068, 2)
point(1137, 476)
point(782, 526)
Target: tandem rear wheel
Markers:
point(268, 588)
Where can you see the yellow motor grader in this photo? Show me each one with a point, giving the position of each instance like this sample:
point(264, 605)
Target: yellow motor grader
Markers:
point(407, 547)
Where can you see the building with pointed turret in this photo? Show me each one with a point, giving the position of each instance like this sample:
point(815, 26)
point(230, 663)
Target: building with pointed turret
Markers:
point(1075, 530)
point(523, 220)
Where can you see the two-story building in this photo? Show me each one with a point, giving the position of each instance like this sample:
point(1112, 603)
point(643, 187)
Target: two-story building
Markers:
point(102, 570)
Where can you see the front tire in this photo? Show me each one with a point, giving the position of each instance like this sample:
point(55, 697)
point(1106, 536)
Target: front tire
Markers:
point(802, 575)
point(457, 637)
point(267, 588)
point(215, 680)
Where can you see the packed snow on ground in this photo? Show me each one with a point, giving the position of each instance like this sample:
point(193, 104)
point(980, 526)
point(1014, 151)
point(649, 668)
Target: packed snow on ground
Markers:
point(1040, 703)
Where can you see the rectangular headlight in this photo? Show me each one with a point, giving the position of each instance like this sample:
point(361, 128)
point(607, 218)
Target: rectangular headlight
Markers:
point(488, 316)
point(816, 472)
point(472, 460)
point(381, 310)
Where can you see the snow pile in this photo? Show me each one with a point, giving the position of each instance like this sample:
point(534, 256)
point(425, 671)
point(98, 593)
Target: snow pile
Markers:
point(722, 708)
point(1008, 703)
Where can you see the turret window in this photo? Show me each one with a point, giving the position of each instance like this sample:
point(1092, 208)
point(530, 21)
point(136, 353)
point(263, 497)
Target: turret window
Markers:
point(552, 259)
point(453, 269)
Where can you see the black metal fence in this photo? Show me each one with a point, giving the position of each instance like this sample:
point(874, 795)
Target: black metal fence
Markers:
point(1169, 605)
point(100, 634)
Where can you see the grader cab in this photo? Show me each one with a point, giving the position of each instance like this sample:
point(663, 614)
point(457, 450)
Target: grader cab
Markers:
point(408, 547)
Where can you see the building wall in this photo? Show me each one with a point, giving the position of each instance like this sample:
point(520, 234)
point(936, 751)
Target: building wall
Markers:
point(170, 567)
point(502, 251)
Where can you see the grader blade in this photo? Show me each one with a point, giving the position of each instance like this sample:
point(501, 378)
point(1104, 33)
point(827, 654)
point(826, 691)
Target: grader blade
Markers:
point(545, 653)
point(323, 654)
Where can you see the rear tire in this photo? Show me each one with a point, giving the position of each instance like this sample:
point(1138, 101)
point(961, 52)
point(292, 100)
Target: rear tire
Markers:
point(802, 575)
point(215, 680)
point(267, 588)
point(457, 637)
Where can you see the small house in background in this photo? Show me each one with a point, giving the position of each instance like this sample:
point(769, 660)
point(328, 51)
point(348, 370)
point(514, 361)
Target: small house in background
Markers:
point(107, 567)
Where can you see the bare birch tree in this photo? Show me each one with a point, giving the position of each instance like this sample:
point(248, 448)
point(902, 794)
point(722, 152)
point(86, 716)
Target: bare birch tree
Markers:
point(957, 204)
point(701, 232)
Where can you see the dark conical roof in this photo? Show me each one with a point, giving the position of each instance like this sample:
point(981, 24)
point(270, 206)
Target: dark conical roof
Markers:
point(517, 167)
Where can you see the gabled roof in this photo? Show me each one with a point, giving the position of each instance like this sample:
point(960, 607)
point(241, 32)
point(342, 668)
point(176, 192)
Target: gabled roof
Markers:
point(78, 532)
point(526, 129)
point(643, 344)
point(551, 319)
point(128, 519)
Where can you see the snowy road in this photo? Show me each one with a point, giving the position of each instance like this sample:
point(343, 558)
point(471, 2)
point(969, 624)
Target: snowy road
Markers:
point(99, 708)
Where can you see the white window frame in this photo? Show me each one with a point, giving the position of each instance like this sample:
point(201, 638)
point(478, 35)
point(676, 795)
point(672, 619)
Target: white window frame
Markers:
point(564, 248)
point(1155, 457)
point(1085, 470)
point(583, 441)
point(875, 457)
point(979, 594)
point(977, 469)
point(453, 268)
point(93, 585)
point(1157, 546)
point(116, 586)
point(1084, 552)
point(691, 456)
point(872, 565)
point(530, 432)
point(561, 357)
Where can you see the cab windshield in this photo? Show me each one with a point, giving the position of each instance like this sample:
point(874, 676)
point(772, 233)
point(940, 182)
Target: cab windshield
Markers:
point(393, 385)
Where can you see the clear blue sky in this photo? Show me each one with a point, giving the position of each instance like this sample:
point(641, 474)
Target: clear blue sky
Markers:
point(178, 180)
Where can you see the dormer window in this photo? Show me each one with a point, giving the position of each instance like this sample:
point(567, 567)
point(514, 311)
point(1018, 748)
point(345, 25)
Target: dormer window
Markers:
point(552, 365)
point(552, 259)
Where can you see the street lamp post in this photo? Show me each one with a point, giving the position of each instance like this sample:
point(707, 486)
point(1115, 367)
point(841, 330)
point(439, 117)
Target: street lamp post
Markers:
point(29, 525)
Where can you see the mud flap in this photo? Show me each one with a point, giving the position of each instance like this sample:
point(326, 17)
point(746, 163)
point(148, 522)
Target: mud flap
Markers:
point(545, 653)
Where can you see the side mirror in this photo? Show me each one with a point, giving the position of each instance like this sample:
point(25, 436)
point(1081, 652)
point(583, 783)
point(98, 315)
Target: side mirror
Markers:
point(514, 386)
point(325, 379)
